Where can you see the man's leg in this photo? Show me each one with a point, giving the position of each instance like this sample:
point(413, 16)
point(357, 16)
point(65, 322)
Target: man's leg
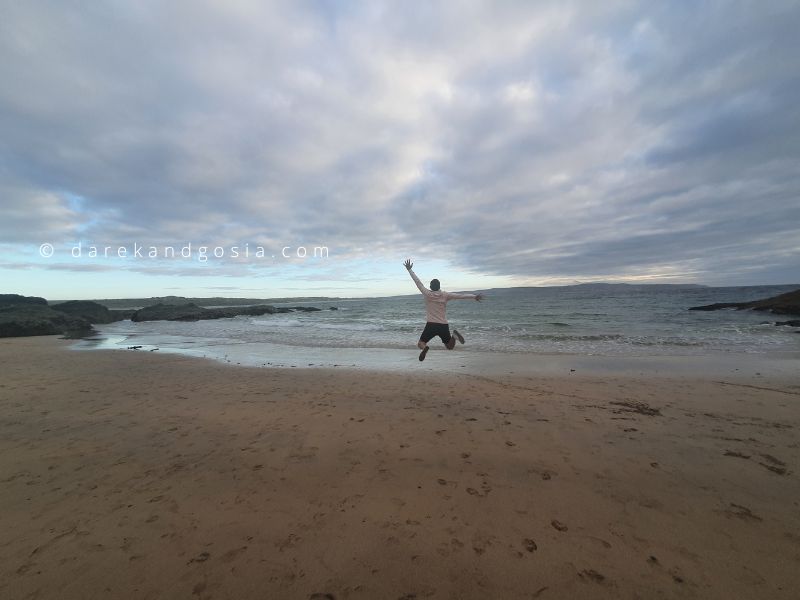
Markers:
point(449, 341)
point(424, 351)
point(458, 336)
point(424, 338)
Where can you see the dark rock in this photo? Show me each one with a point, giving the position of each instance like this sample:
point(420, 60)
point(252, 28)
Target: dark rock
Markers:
point(91, 311)
point(784, 304)
point(333, 308)
point(37, 319)
point(16, 299)
point(720, 306)
point(169, 312)
point(30, 315)
point(793, 323)
point(192, 312)
point(253, 311)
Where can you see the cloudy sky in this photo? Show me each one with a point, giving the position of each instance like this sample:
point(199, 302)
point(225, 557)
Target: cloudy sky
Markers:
point(495, 143)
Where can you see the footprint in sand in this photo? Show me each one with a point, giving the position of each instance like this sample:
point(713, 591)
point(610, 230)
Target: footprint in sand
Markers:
point(736, 454)
point(776, 465)
point(202, 557)
point(481, 542)
point(529, 544)
point(322, 597)
point(676, 576)
point(592, 575)
point(740, 512)
point(558, 525)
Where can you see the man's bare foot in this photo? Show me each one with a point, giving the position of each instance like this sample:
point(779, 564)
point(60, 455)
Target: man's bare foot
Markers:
point(423, 353)
point(458, 336)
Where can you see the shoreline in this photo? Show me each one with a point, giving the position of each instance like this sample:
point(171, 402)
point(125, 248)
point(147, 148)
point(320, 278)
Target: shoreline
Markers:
point(753, 367)
point(138, 475)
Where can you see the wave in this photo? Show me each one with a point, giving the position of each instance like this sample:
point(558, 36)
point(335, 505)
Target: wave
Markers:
point(277, 322)
point(349, 326)
point(569, 338)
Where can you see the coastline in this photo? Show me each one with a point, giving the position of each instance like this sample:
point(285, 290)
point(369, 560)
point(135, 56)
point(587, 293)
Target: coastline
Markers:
point(741, 367)
point(150, 474)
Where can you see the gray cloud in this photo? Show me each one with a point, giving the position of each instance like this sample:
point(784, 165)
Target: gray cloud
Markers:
point(542, 141)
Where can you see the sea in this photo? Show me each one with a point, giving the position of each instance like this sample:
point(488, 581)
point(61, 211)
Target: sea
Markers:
point(584, 320)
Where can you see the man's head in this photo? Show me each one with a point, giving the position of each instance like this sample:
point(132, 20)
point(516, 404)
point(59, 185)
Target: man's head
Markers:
point(435, 285)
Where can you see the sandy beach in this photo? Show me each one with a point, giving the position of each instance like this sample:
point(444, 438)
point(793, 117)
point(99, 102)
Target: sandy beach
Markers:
point(145, 475)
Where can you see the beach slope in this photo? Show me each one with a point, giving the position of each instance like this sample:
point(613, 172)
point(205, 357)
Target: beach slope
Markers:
point(137, 475)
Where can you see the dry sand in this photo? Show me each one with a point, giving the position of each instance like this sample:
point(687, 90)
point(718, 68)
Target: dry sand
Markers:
point(137, 475)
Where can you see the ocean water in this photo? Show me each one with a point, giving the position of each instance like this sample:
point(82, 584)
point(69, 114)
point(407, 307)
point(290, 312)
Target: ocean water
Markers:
point(633, 321)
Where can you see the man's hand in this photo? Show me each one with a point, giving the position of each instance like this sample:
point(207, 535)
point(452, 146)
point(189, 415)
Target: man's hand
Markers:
point(478, 297)
point(408, 264)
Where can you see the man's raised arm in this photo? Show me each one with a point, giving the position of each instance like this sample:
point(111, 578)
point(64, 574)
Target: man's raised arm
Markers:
point(408, 264)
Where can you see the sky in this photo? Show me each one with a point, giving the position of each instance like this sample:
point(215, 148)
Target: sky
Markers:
point(494, 143)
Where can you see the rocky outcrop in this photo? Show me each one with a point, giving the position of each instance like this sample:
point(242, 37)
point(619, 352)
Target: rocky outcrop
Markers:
point(16, 299)
point(784, 304)
point(30, 315)
point(792, 323)
point(192, 312)
point(91, 311)
point(17, 320)
point(169, 312)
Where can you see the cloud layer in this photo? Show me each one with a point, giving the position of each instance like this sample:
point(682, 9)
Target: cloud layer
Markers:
point(541, 141)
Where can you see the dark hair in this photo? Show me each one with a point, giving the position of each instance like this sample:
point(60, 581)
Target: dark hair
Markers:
point(435, 285)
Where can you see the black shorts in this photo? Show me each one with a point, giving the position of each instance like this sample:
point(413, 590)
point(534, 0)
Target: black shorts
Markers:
point(433, 329)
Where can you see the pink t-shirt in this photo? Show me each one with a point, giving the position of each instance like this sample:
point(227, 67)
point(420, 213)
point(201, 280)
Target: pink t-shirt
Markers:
point(436, 302)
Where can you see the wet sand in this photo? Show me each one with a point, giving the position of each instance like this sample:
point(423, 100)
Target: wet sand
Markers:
point(129, 474)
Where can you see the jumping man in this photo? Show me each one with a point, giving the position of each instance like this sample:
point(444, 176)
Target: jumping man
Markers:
point(436, 306)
